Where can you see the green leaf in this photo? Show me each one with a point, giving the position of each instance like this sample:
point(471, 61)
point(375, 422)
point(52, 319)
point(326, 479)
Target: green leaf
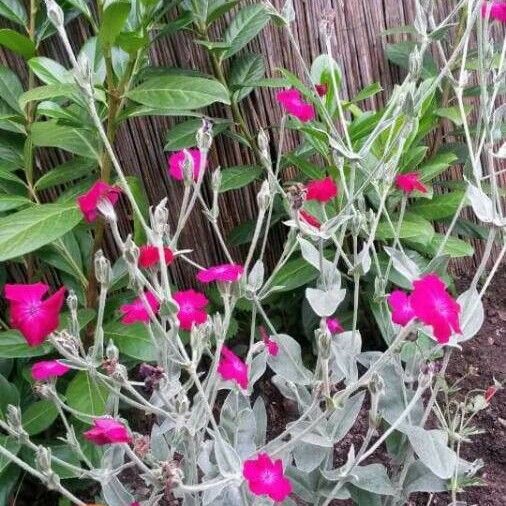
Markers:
point(10, 444)
point(367, 92)
point(10, 202)
point(10, 87)
point(49, 71)
point(455, 247)
point(82, 6)
point(293, 274)
point(436, 165)
point(179, 92)
point(399, 54)
point(29, 229)
point(132, 340)
point(453, 113)
point(14, 11)
point(141, 199)
point(243, 233)
point(84, 394)
point(309, 169)
point(440, 206)
point(17, 42)
point(76, 140)
point(66, 172)
point(238, 177)
point(246, 25)
point(218, 8)
point(245, 68)
point(113, 21)
point(13, 345)
point(38, 416)
point(183, 135)
point(10, 395)
point(415, 228)
point(49, 91)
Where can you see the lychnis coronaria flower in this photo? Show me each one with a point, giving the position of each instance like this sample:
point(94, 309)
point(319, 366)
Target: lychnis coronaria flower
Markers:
point(232, 368)
point(149, 256)
point(137, 312)
point(321, 190)
point(225, 273)
point(177, 160)
point(33, 317)
point(192, 308)
point(89, 202)
point(292, 102)
point(497, 10)
point(409, 182)
point(266, 477)
point(107, 431)
point(48, 369)
point(431, 304)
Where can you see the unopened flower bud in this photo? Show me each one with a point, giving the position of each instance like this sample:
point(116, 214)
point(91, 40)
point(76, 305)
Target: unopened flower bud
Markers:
point(376, 385)
point(131, 251)
point(216, 180)
point(14, 418)
point(112, 352)
point(205, 136)
point(160, 218)
point(324, 344)
point(218, 326)
point(103, 271)
point(55, 13)
point(263, 146)
point(263, 196)
point(106, 209)
point(188, 168)
point(181, 404)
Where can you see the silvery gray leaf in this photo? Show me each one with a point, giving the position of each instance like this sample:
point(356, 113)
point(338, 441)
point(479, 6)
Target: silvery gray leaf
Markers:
point(229, 463)
point(288, 362)
point(472, 315)
point(373, 478)
point(421, 479)
point(481, 203)
point(308, 457)
point(325, 302)
point(115, 494)
point(346, 348)
point(258, 366)
point(364, 259)
point(256, 276)
point(158, 444)
point(261, 421)
point(403, 264)
point(343, 419)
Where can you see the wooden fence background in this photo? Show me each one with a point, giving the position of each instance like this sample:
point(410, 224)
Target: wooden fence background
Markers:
point(359, 48)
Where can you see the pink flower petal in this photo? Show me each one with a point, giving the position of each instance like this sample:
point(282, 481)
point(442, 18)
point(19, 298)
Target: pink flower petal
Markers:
point(46, 369)
point(176, 161)
point(322, 190)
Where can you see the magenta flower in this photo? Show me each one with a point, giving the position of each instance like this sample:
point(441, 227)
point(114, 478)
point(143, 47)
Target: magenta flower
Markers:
point(265, 477)
point(226, 273)
point(136, 311)
point(497, 10)
point(309, 219)
point(33, 317)
point(322, 190)
point(176, 161)
point(321, 89)
point(231, 367)
point(334, 325)
point(434, 306)
point(271, 346)
point(409, 182)
point(47, 369)
point(293, 103)
point(402, 310)
point(148, 256)
point(88, 203)
point(192, 308)
point(107, 431)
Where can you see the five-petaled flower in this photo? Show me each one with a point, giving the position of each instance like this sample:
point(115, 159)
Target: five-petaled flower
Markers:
point(225, 273)
point(293, 103)
point(431, 304)
point(107, 431)
point(89, 202)
point(137, 312)
point(192, 308)
point(322, 190)
point(231, 367)
point(266, 477)
point(497, 10)
point(334, 325)
point(149, 256)
point(409, 182)
point(271, 346)
point(177, 160)
point(33, 317)
point(48, 369)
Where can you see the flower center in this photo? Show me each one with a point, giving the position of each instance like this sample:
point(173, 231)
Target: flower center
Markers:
point(268, 476)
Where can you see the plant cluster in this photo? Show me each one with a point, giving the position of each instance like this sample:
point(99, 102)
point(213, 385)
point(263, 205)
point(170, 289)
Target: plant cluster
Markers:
point(361, 258)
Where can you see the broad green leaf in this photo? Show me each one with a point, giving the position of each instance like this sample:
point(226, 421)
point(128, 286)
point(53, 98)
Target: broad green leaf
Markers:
point(309, 169)
point(9, 479)
point(132, 340)
point(113, 20)
point(13, 345)
point(245, 68)
point(17, 42)
point(238, 177)
point(246, 25)
point(243, 233)
point(455, 247)
point(91, 48)
point(10, 202)
point(453, 113)
point(218, 8)
point(367, 92)
point(14, 11)
point(82, 6)
point(184, 134)
point(76, 140)
point(85, 395)
point(10, 395)
point(10, 443)
point(50, 71)
point(38, 416)
point(142, 202)
point(440, 206)
point(66, 172)
point(49, 91)
point(179, 92)
point(415, 228)
point(29, 229)
point(399, 54)
point(10, 87)
point(293, 274)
